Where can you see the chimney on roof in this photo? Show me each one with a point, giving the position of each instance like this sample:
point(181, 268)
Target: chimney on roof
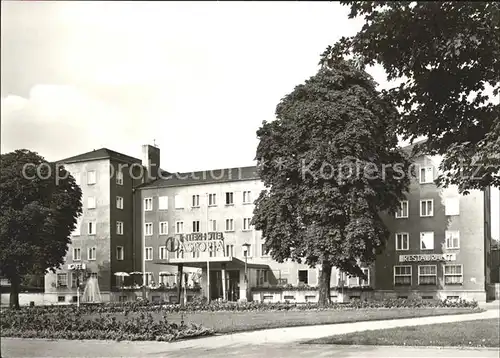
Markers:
point(151, 162)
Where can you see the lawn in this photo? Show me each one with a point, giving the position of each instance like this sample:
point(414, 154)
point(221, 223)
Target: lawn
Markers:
point(229, 322)
point(479, 333)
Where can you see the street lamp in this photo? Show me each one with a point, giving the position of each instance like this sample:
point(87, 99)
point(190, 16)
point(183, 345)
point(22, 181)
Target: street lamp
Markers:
point(246, 246)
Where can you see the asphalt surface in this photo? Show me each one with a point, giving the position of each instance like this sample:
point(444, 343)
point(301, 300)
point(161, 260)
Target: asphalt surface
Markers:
point(14, 347)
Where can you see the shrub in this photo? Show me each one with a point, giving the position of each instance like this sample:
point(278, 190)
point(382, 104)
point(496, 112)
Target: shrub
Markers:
point(60, 324)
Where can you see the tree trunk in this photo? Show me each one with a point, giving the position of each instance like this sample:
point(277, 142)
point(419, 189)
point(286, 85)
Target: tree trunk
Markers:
point(179, 286)
point(15, 287)
point(324, 284)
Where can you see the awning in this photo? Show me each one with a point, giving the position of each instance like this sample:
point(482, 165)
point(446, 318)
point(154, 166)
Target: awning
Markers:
point(231, 263)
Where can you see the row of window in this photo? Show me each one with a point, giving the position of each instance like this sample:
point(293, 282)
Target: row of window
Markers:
point(92, 202)
point(163, 227)
point(212, 200)
point(452, 208)
point(452, 240)
point(92, 228)
point(196, 226)
point(343, 279)
point(92, 177)
point(228, 251)
point(92, 251)
point(427, 275)
point(62, 279)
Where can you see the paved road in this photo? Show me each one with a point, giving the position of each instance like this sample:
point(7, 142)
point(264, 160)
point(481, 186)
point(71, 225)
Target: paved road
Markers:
point(44, 348)
point(283, 342)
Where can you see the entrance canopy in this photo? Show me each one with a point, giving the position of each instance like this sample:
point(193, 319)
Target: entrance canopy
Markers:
point(214, 262)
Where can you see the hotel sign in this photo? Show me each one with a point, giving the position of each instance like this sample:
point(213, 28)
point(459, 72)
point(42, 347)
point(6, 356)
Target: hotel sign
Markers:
point(427, 257)
point(196, 242)
point(76, 267)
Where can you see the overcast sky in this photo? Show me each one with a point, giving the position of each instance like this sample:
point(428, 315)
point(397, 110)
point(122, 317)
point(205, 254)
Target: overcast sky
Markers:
point(198, 78)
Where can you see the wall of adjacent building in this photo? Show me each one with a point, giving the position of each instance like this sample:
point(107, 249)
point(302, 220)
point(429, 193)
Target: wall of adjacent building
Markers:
point(471, 226)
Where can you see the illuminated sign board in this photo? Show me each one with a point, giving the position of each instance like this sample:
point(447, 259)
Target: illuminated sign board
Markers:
point(196, 242)
point(427, 257)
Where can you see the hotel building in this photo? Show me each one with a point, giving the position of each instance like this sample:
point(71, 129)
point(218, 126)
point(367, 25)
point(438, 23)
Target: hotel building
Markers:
point(156, 226)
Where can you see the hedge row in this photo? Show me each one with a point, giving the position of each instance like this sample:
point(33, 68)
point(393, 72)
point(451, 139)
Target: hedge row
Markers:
point(203, 306)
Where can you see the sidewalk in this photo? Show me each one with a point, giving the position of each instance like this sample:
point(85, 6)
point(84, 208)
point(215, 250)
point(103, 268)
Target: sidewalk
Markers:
point(299, 334)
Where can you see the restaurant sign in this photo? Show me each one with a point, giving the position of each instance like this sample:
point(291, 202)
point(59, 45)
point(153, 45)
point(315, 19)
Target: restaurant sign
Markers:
point(196, 242)
point(427, 257)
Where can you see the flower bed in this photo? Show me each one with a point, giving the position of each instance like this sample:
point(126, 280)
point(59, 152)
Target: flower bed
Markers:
point(199, 305)
point(61, 324)
point(148, 321)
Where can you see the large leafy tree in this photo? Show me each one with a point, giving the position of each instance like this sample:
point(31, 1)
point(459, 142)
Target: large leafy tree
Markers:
point(330, 165)
point(447, 56)
point(39, 206)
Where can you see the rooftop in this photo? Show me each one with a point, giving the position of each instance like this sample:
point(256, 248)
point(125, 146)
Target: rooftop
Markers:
point(98, 154)
point(204, 177)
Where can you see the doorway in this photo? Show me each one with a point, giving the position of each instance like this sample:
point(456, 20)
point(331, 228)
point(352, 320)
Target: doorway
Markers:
point(232, 285)
point(215, 285)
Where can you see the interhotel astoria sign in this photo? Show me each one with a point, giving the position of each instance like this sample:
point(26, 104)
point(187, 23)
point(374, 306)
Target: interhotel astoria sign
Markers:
point(196, 242)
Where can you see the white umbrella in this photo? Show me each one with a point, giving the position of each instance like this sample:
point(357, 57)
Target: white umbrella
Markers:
point(122, 275)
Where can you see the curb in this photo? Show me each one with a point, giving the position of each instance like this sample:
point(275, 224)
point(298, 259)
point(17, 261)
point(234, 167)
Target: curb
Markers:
point(464, 348)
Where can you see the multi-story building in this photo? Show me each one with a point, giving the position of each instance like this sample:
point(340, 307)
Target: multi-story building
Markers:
point(199, 223)
point(216, 201)
point(440, 241)
point(103, 242)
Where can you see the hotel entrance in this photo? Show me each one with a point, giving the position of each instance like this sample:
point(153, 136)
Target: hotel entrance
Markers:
point(211, 245)
point(234, 269)
point(232, 285)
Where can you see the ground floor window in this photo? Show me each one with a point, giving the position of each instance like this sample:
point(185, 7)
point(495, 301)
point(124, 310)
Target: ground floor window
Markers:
point(61, 298)
point(342, 278)
point(345, 279)
point(62, 280)
point(168, 279)
point(282, 281)
point(262, 277)
point(427, 275)
point(149, 278)
point(303, 277)
point(74, 279)
point(366, 282)
point(402, 275)
point(119, 281)
point(453, 275)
